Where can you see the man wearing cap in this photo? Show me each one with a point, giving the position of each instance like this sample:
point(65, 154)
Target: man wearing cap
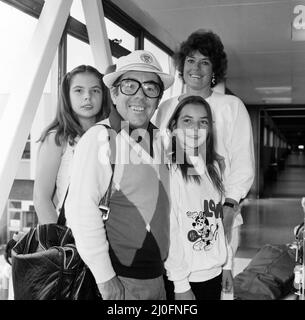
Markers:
point(127, 263)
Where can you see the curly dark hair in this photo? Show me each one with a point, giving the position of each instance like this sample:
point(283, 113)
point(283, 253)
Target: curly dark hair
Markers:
point(207, 43)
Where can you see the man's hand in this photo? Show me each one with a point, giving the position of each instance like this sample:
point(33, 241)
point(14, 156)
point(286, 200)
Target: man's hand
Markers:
point(227, 281)
point(112, 289)
point(187, 295)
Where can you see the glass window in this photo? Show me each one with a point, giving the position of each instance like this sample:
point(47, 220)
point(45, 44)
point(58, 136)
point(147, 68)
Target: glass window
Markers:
point(265, 136)
point(22, 218)
point(276, 141)
point(271, 139)
point(122, 37)
point(27, 150)
point(16, 29)
point(78, 52)
point(30, 219)
point(14, 204)
point(77, 11)
point(84, 53)
point(114, 32)
point(161, 56)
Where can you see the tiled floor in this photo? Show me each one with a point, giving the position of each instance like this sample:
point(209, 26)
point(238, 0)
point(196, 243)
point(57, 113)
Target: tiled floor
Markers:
point(272, 220)
point(290, 182)
point(268, 221)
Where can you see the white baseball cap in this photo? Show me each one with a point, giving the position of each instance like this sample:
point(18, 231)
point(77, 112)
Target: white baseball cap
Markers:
point(138, 60)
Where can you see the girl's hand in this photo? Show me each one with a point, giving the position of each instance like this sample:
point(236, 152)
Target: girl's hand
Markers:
point(187, 295)
point(227, 281)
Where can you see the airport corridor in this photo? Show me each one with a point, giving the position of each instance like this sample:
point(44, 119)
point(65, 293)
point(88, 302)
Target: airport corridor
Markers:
point(272, 219)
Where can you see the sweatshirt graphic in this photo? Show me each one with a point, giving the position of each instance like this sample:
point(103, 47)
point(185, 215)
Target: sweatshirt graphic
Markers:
point(203, 233)
point(198, 247)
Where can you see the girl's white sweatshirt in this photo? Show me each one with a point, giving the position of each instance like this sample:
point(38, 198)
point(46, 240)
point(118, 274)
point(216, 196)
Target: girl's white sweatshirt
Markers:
point(198, 248)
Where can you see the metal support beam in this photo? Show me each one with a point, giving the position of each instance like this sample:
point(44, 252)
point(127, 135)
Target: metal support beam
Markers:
point(99, 42)
point(25, 94)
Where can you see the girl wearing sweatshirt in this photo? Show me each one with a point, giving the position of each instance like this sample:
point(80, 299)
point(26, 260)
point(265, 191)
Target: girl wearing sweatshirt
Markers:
point(200, 259)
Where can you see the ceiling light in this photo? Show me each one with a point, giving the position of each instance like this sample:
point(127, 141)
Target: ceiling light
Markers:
point(277, 100)
point(273, 90)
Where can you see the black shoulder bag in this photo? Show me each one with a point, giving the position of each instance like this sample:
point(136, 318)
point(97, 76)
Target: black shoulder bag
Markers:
point(47, 266)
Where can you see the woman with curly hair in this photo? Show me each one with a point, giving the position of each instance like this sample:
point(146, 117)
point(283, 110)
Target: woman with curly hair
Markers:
point(205, 48)
point(202, 63)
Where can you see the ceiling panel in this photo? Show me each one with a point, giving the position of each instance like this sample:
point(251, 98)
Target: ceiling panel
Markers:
point(256, 35)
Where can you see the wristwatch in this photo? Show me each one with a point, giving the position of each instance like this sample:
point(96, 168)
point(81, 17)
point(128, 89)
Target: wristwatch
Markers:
point(229, 204)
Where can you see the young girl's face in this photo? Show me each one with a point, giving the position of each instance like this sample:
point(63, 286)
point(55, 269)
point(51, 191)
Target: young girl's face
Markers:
point(192, 126)
point(86, 95)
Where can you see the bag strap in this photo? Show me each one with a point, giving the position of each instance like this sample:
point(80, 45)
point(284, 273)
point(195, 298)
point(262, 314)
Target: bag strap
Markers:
point(62, 218)
point(104, 202)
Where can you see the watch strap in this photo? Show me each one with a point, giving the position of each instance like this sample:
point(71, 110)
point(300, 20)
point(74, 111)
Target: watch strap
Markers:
point(228, 204)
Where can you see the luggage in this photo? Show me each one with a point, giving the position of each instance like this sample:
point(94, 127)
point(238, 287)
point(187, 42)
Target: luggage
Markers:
point(269, 275)
point(47, 266)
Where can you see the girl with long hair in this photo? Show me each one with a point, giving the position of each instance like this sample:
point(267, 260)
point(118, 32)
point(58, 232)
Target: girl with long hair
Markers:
point(84, 100)
point(200, 259)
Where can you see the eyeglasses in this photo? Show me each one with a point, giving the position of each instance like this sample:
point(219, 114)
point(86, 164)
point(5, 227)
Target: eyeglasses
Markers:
point(130, 87)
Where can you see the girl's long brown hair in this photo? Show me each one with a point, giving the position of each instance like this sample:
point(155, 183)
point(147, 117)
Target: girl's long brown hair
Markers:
point(211, 156)
point(66, 123)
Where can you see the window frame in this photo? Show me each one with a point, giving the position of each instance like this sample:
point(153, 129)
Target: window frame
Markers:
point(119, 17)
point(78, 29)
